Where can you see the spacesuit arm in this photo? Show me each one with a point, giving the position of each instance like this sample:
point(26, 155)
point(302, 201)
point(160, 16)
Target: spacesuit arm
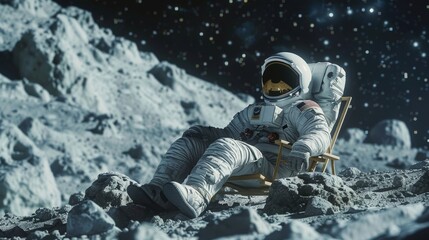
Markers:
point(207, 133)
point(237, 125)
point(312, 128)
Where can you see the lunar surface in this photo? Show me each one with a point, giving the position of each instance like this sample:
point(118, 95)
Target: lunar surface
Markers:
point(84, 114)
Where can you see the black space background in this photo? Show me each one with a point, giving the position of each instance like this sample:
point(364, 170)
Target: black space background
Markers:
point(382, 45)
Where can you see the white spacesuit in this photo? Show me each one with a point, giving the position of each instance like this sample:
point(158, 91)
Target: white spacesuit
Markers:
point(199, 163)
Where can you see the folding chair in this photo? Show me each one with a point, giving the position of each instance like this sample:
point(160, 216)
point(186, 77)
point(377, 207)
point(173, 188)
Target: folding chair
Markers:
point(258, 184)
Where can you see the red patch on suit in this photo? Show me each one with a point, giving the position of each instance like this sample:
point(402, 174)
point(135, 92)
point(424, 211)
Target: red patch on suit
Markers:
point(306, 104)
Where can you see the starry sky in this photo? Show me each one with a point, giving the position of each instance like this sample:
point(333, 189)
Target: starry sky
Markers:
point(382, 45)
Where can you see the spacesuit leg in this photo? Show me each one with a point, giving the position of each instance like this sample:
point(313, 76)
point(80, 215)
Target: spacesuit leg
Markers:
point(210, 173)
point(267, 166)
point(176, 165)
point(220, 160)
point(179, 160)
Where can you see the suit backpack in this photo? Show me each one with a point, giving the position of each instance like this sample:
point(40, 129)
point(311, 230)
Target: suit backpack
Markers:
point(327, 88)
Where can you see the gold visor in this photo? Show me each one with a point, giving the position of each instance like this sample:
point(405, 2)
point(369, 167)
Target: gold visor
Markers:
point(276, 89)
point(279, 79)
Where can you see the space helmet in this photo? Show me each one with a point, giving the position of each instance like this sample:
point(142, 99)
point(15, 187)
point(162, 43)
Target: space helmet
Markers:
point(285, 78)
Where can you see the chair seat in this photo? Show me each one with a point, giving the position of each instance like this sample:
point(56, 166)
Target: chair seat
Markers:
point(250, 180)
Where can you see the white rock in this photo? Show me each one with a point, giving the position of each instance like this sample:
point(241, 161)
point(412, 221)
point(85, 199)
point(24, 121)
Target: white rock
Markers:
point(363, 227)
point(398, 181)
point(26, 180)
point(110, 190)
point(87, 218)
point(390, 132)
point(144, 231)
point(350, 172)
point(318, 206)
point(247, 221)
point(296, 230)
point(354, 135)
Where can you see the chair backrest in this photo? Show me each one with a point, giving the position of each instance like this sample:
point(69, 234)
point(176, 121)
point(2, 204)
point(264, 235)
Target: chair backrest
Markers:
point(339, 123)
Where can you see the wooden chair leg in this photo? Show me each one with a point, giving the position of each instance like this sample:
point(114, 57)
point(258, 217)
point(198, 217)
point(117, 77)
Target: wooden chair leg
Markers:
point(325, 164)
point(313, 166)
point(333, 167)
point(278, 160)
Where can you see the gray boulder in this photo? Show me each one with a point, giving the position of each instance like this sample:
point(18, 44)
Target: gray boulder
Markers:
point(422, 185)
point(56, 57)
point(167, 74)
point(143, 231)
point(247, 221)
point(296, 230)
point(354, 135)
point(398, 181)
point(390, 132)
point(293, 194)
point(350, 172)
point(87, 218)
point(318, 206)
point(21, 90)
point(397, 219)
point(110, 190)
point(35, 130)
point(420, 165)
point(26, 180)
point(41, 8)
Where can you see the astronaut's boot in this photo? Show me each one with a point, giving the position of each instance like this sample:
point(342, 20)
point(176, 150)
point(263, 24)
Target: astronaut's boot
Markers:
point(150, 196)
point(188, 199)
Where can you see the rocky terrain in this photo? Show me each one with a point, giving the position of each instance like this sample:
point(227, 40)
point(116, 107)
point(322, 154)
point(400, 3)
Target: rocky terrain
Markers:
point(84, 114)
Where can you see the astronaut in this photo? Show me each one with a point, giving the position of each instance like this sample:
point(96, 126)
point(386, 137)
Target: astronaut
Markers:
point(198, 164)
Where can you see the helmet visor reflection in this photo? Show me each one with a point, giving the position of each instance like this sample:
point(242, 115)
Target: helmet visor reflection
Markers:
point(279, 79)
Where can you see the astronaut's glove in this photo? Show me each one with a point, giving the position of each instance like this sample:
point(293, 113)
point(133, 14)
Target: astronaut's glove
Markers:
point(298, 161)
